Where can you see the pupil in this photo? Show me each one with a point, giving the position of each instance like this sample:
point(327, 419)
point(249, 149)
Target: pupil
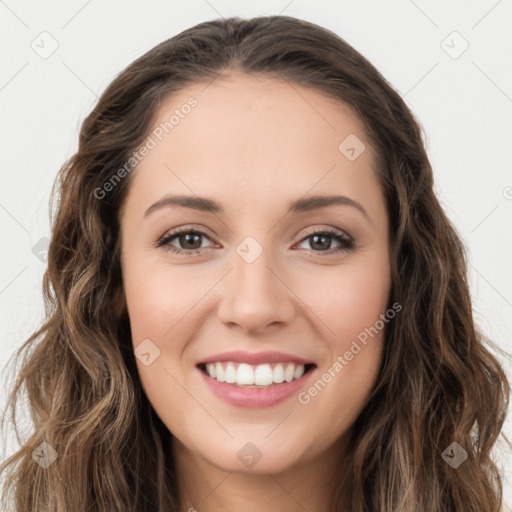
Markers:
point(187, 239)
point(322, 246)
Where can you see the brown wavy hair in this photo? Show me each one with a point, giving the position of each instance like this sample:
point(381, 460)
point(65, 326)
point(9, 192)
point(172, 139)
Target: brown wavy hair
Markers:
point(439, 381)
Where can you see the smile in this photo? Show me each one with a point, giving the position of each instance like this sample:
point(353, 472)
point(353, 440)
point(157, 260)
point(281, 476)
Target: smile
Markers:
point(254, 395)
point(255, 376)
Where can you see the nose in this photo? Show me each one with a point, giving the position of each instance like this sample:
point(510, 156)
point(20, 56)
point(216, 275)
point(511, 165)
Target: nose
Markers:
point(255, 296)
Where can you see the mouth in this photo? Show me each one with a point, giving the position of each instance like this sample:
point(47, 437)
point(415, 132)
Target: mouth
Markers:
point(259, 376)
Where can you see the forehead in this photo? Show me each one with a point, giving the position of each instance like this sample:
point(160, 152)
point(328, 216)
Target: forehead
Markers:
point(253, 137)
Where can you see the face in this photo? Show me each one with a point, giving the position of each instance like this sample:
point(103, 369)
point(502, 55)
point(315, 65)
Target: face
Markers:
point(288, 283)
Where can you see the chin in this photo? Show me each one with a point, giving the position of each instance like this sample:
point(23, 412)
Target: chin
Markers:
point(253, 457)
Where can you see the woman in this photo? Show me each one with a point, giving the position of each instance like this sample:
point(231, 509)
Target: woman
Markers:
point(312, 349)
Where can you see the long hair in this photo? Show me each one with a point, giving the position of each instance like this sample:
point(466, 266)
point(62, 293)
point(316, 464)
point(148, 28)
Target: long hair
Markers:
point(439, 382)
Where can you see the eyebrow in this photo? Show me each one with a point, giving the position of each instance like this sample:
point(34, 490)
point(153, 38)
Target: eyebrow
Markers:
point(307, 204)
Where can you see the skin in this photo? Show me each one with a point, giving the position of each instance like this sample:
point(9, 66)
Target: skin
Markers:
point(255, 144)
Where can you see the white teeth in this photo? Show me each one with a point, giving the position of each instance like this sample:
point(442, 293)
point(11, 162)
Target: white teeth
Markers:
point(278, 374)
point(243, 374)
point(219, 372)
point(230, 373)
point(288, 373)
point(299, 372)
point(263, 375)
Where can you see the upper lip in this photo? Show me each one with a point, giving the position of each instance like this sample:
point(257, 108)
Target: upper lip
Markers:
point(255, 357)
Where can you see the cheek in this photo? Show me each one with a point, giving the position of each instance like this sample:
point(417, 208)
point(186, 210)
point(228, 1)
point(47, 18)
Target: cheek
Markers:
point(159, 298)
point(340, 392)
point(160, 302)
point(348, 300)
point(350, 303)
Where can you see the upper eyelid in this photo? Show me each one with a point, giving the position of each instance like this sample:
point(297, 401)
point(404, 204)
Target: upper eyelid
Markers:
point(183, 230)
point(312, 231)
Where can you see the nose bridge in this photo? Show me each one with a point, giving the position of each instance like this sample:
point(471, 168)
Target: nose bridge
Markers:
point(254, 296)
point(252, 265)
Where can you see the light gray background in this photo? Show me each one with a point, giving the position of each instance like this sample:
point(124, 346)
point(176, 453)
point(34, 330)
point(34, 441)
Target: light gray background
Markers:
point(463, 99)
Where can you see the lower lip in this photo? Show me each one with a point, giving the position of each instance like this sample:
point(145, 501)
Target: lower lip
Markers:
point(254, 397)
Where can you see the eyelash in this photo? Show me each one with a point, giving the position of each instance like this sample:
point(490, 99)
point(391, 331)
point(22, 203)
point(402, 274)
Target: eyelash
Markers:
point(347, 243)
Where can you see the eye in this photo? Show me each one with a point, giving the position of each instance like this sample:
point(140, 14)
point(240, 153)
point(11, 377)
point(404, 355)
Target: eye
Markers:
point(322, 240)
point(190, 241)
